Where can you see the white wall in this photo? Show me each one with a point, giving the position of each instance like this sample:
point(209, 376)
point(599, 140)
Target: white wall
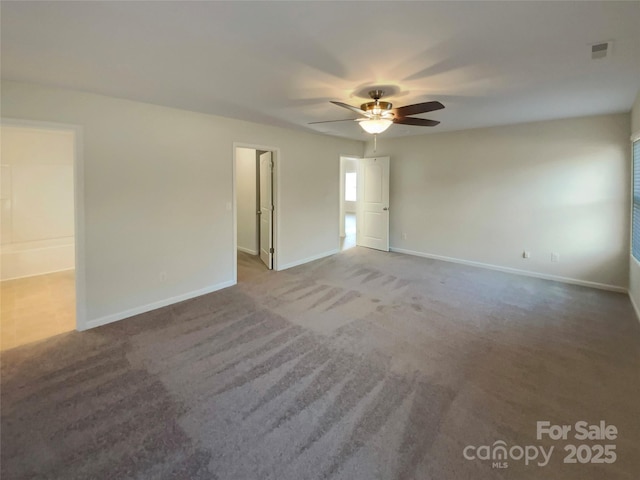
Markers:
point(634, 267)
point(246, 200)
point(485, 195)
point(37, 201)
point(158, 190)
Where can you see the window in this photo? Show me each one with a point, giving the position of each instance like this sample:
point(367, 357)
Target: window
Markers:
point(350, 186)
point(635, 227)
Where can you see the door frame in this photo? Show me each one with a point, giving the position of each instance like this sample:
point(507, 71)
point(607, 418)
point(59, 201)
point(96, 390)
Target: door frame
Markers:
point(341, 210)
point(277, 159)
point(78, 207)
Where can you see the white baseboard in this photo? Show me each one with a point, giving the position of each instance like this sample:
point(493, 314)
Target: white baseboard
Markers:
point(153, 306)
point(247, 250)
point(527, 273)
point(39, 274)
point(308, 259)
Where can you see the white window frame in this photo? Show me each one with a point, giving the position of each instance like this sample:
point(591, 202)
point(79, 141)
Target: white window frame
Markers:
point(635, 170)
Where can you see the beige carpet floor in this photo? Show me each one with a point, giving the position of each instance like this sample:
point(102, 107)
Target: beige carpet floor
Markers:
point(364, 365)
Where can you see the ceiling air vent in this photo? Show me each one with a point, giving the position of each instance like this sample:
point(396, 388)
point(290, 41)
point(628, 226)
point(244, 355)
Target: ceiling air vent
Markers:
point(601, 50)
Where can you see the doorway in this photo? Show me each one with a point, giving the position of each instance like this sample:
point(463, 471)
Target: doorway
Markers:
point(255, 209)
point(39, 229)
point(348, 201)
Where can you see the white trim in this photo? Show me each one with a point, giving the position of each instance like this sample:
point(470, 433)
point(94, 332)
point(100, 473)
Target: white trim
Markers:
point(38, 274)
point(341, 208)
point(635, 306)
point(310, 259)
point(277, 165)
point(39, 249)
point(635, 136)
point(341, 202)
point(155, 305)
point(247, 250)
point(234, 213)
point(526, 273)
point(79, 239)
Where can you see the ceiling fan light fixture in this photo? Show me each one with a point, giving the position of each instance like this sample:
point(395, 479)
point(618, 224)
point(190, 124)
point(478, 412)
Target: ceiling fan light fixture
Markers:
point(375, 125)
point(380, 115)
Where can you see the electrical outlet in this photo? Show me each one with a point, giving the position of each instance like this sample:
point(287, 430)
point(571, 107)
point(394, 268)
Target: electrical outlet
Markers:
point(404, 235)
point(163, 276)
point(526, 254)
point(555, 257)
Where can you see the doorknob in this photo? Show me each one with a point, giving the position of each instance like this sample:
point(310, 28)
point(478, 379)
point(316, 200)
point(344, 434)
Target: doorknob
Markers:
point(259, 212)
point(385, 208)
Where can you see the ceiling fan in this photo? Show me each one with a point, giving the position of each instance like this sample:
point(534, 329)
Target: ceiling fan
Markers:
point(377, 116)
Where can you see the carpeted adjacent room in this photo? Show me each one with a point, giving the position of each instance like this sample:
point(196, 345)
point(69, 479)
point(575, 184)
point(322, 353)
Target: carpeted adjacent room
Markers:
point(362, 365)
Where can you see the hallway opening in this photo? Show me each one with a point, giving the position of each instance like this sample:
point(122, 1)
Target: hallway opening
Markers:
point(38, 233)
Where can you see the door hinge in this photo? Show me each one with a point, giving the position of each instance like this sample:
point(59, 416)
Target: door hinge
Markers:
point(271, 250)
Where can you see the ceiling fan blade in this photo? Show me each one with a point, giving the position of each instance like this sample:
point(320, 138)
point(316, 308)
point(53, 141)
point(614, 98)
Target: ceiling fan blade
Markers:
point(417, 108)
point(331, 121)
point(358, 110)
point(420, 122)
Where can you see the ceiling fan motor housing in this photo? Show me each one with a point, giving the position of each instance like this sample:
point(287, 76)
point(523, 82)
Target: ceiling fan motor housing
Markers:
point(377, 108)
point(370, 106)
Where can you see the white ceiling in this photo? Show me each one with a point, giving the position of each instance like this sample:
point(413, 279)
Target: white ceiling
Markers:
point(490, 63)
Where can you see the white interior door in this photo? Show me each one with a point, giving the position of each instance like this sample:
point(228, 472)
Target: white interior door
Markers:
point(373, 203)
point(266, 209)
